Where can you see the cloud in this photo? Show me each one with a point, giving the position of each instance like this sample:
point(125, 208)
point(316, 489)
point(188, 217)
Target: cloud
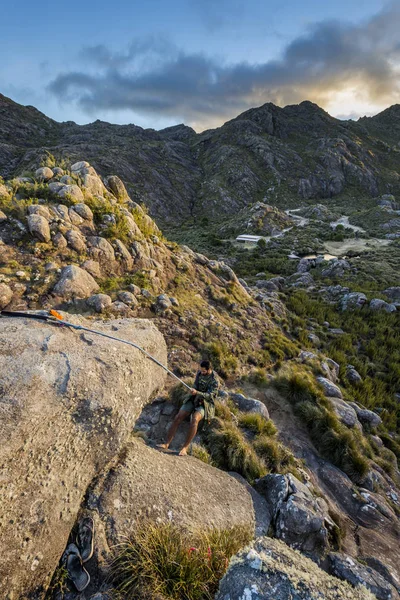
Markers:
point(216, 14)
point(155, 77)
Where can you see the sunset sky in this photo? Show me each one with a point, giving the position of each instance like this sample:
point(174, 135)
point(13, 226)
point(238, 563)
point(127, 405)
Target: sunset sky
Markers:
point(200, 62)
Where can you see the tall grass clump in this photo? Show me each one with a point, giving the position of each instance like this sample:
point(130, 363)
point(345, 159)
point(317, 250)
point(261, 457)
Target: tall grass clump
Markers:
point(257, 424)
point(160, 560)
point(333, 440)
point(231, 451)
point(201, 453)
point(277, 458)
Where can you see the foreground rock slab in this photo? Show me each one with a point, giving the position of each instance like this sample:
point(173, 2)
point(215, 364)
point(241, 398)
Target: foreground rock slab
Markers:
point(165, 487)
point(268, 569)
point(68, 403)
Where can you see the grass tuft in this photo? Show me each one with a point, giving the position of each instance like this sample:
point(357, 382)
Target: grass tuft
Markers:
point(231, 451)
point(200, 452)
point(161, 560)
point(257, 423)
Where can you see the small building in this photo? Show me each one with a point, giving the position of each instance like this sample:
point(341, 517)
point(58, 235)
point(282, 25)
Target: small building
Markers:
point(248, 239)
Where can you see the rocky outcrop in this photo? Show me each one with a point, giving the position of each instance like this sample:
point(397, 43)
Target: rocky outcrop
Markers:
point(353, 300)
point(378, 304)
point(68, 405)
point(361, 575)
point(268, 569)
point(298, 518)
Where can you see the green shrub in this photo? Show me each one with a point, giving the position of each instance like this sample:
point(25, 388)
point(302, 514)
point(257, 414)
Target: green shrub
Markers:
point(257, 423)
point(231, 451)
point(278, 346)
point(391, 443)
point(15, 208)
point(298, 385)
point(259, 376)
point(162, 560)
point(333, 440)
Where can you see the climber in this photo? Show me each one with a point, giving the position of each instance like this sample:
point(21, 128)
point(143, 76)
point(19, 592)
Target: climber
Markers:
point(199, 403)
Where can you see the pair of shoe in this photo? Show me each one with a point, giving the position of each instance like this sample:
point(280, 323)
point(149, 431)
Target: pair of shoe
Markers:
point(77, 554)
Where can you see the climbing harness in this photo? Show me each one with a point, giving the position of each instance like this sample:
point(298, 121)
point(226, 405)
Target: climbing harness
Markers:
point(55, 318)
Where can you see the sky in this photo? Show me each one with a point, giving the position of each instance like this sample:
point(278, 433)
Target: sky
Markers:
point(158, 63)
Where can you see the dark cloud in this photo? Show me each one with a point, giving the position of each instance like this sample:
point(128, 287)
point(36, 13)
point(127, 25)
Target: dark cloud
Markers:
point(154, 77)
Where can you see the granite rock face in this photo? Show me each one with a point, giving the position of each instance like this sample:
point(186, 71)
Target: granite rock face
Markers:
point(68, 405)
point(270, 570)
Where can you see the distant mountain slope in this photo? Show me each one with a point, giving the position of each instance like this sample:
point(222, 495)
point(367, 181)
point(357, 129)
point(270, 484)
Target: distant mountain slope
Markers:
point(280, 155)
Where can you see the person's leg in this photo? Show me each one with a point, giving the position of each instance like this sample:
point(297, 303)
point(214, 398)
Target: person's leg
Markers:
point(181, 416)
point(194, 423)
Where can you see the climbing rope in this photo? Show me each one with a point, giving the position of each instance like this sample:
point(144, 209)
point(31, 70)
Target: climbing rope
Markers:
point(55, 318)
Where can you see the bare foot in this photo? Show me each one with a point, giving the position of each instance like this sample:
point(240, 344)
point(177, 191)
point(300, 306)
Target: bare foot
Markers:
point(183, 452)
point(163, 446)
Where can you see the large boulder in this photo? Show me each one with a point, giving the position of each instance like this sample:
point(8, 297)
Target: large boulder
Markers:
point(270, 570)
point(162, 487)
point(39, 209)
point(249, 404)
point(393, 293)
point(365, 416)
point(344, 411)
point(330, 389)
point(44, 174)
point(39, 227)
point(378, 304)
point(298, 518)
point(83, 211)
point(94, 184)
point(6, 295)
point(68, 406)
point(72, 192)
point(74, 282)
point(101, 249)
point(99, 302)
point(117, 187)
point(353, 300)
point(79, 166)
point(76, 240)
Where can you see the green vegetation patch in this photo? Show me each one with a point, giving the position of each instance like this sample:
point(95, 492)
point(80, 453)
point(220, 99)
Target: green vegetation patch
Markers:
point(334, 441)
point(161, 560)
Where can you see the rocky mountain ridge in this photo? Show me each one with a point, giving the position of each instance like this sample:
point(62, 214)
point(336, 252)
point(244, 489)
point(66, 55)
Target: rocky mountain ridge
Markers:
point(270, 154)
point(328, 486)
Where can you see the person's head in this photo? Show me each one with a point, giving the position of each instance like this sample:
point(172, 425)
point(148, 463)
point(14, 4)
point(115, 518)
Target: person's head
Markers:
point(205, 367)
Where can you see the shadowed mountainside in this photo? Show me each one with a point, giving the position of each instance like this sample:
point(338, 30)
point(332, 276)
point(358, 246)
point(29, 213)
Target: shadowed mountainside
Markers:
point(269, 153)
